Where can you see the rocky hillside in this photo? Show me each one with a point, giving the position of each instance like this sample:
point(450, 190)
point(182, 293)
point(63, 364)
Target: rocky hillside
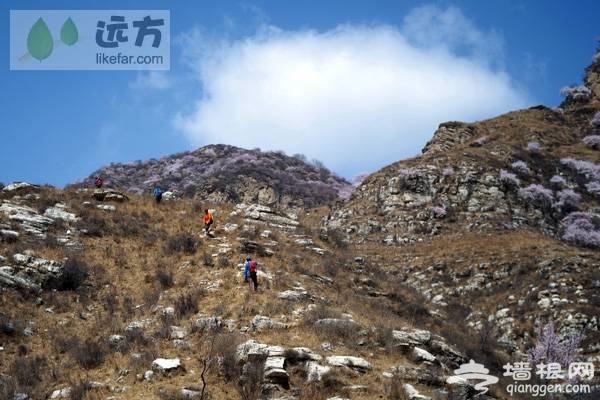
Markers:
point(221, 173)
point(484, 248)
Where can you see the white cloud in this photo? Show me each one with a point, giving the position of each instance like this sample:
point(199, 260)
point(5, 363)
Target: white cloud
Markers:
point(356, 97)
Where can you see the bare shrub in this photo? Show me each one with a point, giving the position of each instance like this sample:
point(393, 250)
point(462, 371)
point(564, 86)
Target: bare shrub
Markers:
point(249, 382)
point(28, 371)
point(151, 296)
point(89, 354)
point(225, 349)
point(187, 304)
point(207, 260)
point(396, 391)
point(7, 327)
point(75, 272)
point(164, 277)
point(91, 225)
point(224, 261)
point(183, 243)
point(8, 387)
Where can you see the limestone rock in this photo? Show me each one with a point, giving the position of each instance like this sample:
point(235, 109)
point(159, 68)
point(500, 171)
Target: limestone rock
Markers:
point(166, 364)
point(261, 322)
point(355, 363)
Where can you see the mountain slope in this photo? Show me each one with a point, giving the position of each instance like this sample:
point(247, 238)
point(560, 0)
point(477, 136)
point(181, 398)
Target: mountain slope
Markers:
point(219, 173)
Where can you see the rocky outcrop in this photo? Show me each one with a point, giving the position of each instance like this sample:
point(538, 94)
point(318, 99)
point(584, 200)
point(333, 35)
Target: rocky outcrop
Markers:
point(31, 274)
point(31, 221)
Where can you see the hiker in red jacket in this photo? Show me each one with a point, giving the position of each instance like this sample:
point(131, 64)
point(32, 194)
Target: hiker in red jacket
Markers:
point(98, 182)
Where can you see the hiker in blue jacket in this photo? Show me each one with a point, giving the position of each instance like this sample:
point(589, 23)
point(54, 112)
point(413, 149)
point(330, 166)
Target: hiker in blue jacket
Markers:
point(157, 193)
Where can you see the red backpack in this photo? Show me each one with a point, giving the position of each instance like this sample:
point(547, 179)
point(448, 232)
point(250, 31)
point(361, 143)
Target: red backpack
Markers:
point(252, 266)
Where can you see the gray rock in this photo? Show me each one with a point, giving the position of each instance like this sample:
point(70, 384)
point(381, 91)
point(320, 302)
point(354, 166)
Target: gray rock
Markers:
point(335, 323)
point(412, 393)
point(261, 323)
point(355, 363)
point(116, 340)
point(274, 371)
point(315, 371)
point(16, 186)
point(189, 393)
point(293, 295)
point(109, 195)
point(106, 207)
point(229, 227)
point(30, 220)
point(411, 337)
point(166, 364)
point(58, 212)
point(7, 235)
point(420, 355)
point(208, 323)
point(177, 333)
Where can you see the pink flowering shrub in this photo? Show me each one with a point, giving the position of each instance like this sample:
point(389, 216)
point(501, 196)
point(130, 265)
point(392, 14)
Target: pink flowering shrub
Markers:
point(509, 179)
point(580, 92)
point(558, 181)
point(439, 212)
point(592, 141)
point(596, 119)
point(585, 168)
point(448, 171)
point(537, 195)
point(580, 228)
point(521, 167)
point(568, 200)
point(534, 147)
point(593, 188)
point(551, 349)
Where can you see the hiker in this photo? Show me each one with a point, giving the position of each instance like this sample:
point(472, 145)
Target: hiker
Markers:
point(98, 182)
point(157, 193)
point(208, 221)
point(250, 274)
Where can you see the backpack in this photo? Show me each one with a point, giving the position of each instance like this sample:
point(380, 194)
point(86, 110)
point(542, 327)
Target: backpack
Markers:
point(252, 266)
point(157, 192)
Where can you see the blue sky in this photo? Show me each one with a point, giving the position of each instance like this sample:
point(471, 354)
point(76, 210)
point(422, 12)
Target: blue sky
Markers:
point(355, 84)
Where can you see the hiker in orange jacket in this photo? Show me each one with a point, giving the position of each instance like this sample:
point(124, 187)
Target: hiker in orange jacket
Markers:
point(208, 221)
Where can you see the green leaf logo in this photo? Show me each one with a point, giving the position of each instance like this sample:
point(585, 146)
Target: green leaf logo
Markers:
point(68, 32)
point(39, 40)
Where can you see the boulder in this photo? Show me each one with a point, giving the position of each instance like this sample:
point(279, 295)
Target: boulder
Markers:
point(355, 363)
point(58, 212)
point(335, 323)
point(208, 323)
point(411, 337)
point(315, 371)
point(274, 371)
point(17, 186)
point(8, 236)
point(261, 323)
point(109, 195)
point(412, 393)
point(420, 355)
point(30, 220)
point(166, 364)
point(293, 295)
